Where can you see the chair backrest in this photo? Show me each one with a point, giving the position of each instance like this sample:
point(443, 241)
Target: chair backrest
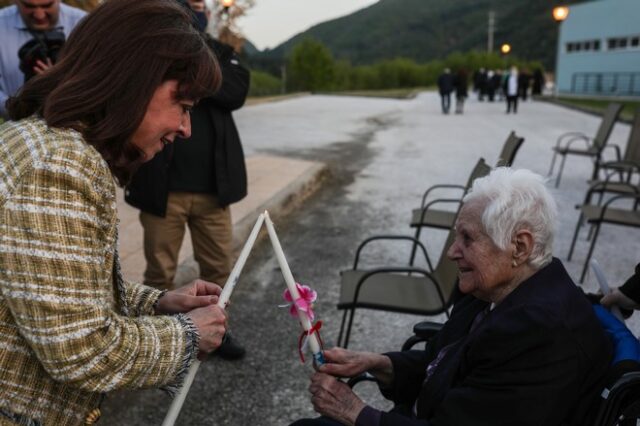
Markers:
point(509, 150)
point(606, 125)
point(481, 169)
point(446, 270)
point(632, 152)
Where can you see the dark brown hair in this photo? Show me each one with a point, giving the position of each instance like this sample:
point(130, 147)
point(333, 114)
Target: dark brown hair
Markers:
point(109, 69)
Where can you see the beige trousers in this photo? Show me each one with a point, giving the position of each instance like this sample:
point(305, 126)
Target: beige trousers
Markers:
point(211, 236)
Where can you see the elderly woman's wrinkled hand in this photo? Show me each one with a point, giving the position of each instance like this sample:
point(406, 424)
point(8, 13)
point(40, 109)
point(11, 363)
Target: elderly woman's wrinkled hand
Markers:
point(334, 399)
point(211, 322)
point(345, 363)
point(616, 297)
point(197, 294)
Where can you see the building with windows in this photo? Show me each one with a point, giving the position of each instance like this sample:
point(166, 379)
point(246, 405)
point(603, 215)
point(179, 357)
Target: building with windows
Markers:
point(599, 49)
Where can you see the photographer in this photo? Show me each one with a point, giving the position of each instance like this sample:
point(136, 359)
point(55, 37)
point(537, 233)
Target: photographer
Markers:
point(40, 26)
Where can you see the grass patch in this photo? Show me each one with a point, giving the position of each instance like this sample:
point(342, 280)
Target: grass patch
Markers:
point(382, 93)
point(599, 105)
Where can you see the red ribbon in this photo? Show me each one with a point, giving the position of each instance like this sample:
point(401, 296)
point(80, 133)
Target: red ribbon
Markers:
point(314, 329)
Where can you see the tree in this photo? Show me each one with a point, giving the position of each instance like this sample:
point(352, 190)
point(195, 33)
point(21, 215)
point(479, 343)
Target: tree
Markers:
point(311, 66)
point(225, 18)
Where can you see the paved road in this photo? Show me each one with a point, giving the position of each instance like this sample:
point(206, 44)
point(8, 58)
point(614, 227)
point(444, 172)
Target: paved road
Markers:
point(381, 155)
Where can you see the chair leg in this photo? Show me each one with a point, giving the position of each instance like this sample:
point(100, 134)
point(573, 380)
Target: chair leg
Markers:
point(344, 317)
point(596, 169)
point(575, 237)
point(553, 163)
point(348, 333)
point(593, 244)
point(415, 245)
point(564, 158)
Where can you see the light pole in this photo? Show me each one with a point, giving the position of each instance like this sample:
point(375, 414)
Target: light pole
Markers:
point(560, 13)
point(505, 49)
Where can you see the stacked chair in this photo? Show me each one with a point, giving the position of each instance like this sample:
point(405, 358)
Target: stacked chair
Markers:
point(623, 182)
point(594, 146)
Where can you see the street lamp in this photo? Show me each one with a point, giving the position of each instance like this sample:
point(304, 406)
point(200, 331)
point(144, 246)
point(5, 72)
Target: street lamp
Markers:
point(560, 13)
point(227, 4)
point(505, 48)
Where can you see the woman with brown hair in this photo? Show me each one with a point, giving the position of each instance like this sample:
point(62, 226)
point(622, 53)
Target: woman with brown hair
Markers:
point(71, 329)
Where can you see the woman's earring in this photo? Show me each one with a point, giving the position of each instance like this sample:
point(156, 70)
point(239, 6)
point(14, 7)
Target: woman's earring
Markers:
point(514, 263)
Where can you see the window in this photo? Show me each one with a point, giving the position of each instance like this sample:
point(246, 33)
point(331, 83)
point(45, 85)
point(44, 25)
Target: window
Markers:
point(583, 46)
point(628, 42)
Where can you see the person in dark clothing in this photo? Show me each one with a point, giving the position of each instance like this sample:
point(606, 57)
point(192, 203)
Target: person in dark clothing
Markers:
point(522, 347)
point(445, 87)
point(511, 90)
point(538, 82)
point(524, 80)
point(480, 83)
point(192, 182)
point(461, 86)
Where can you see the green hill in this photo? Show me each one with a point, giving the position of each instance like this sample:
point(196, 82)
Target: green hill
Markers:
point(424, 30)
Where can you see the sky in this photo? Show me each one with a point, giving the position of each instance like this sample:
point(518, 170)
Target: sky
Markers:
point(271, 22)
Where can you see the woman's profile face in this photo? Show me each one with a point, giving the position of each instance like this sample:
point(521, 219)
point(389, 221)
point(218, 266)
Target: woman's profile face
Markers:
point(484, 269)
point(165, 119)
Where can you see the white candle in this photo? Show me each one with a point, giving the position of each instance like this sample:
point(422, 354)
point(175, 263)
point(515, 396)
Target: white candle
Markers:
point(293, 290)
point(176, 404)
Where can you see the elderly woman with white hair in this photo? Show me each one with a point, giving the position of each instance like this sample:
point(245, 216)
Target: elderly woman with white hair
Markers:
point(522, 346)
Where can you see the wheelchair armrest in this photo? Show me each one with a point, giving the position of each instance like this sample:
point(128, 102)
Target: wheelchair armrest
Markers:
point(364, 377)
point(427, 329)
point(423, 332)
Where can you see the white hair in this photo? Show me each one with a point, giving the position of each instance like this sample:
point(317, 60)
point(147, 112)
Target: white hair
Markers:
point(515, 200)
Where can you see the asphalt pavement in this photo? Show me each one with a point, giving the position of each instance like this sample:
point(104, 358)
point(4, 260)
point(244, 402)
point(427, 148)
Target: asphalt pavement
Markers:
point(379, 156)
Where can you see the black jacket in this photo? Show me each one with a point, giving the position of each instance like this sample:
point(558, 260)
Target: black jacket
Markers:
point(539, 358)
point(149, 187)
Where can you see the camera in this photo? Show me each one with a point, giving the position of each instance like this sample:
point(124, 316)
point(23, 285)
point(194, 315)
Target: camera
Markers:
point(43, 46)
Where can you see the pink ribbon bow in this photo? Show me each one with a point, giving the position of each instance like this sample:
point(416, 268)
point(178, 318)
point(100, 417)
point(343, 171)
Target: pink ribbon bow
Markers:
point(304, 303)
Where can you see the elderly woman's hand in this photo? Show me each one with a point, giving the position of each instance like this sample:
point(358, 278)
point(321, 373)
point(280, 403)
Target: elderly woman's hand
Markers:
point(334, 399)
point(616, 297)
point(197, 294)
point(345, 363)
point(211, 322)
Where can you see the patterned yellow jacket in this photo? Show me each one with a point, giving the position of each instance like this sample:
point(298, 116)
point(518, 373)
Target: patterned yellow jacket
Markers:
point(70, 328)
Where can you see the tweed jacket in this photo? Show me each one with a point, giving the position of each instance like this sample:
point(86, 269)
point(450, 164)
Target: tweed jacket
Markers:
point(70, 328)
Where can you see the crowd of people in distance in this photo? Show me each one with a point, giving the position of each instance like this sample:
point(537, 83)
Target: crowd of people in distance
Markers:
point(491, 85)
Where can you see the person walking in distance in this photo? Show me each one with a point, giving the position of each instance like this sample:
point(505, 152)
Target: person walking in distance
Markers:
point(445, 87)
point(511, 90)
point(461, 86)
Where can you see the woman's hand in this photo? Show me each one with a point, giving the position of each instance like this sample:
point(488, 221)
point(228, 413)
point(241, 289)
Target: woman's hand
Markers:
point(616, 297)
point(345, 363)
point(211, 322)
point(334, 399)
point(197, 294)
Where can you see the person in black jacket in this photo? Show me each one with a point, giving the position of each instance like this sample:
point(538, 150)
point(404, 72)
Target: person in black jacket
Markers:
point(193, 181)
point(522, 347)
point(445, 87)
point(461, 86)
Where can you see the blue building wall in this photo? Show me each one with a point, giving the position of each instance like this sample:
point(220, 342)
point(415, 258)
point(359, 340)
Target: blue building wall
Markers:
point(599, 49)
